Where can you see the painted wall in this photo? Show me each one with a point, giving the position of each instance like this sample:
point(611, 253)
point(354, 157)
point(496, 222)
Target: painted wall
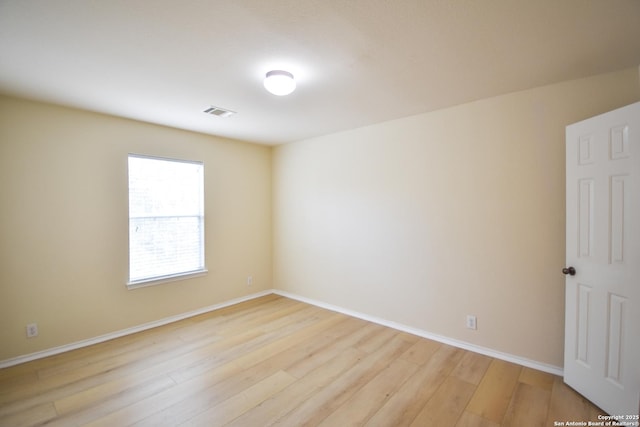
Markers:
point(63, 224)
point(419, 221)
point(426, 219)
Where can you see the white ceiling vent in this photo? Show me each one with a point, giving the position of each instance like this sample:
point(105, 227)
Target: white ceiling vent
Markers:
point(220, 112)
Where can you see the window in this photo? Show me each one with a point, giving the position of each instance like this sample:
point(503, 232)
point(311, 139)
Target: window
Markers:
point(166, 219)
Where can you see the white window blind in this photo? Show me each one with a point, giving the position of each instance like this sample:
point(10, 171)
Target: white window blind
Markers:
point(166, 219)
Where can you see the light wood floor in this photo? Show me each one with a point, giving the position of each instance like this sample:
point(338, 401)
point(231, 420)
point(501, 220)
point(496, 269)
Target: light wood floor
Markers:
point(273, 360)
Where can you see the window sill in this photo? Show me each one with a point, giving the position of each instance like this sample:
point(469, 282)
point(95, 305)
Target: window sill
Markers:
point(165, 279)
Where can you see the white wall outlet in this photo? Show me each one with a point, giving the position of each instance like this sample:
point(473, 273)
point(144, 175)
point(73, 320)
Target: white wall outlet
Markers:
point(472, 322)
point(249, 280)
point(32, 330)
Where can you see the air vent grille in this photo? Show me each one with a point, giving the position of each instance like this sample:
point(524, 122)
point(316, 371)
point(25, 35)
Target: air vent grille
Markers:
point(220, 112)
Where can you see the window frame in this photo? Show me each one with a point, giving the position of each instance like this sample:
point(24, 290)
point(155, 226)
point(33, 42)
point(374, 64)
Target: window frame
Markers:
point(165, 278)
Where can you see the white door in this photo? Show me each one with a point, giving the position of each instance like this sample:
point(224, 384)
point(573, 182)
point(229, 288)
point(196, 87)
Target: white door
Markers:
point(602, 325)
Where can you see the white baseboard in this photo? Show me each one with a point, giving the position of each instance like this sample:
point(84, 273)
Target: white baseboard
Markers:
point(555, 370)
point(117, 334)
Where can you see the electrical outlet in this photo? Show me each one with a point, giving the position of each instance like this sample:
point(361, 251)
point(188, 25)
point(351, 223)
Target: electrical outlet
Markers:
point(472, 322)
point(249, 280)
point(32, 330)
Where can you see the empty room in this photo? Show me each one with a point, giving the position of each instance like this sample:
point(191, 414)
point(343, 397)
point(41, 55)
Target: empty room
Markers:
point(341, 212)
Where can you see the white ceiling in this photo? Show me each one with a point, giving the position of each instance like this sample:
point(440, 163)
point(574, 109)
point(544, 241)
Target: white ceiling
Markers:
point(357, 62)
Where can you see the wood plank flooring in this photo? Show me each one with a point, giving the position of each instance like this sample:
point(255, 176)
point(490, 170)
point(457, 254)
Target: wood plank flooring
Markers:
point(275, 361)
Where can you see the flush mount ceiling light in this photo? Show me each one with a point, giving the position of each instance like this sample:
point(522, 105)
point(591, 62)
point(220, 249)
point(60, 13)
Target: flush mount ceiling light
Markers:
point(279, 82)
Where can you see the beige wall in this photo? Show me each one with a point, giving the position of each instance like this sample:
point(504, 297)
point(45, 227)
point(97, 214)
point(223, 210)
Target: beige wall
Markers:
point(63, 224)
point(426, 219)
point(419, 221)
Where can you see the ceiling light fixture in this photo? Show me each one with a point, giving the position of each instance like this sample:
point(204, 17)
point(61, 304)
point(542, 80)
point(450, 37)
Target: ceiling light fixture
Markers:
point(279, 82)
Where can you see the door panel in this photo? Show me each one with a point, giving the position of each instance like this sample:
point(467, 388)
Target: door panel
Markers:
point(585, 216)
point(602, 324)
